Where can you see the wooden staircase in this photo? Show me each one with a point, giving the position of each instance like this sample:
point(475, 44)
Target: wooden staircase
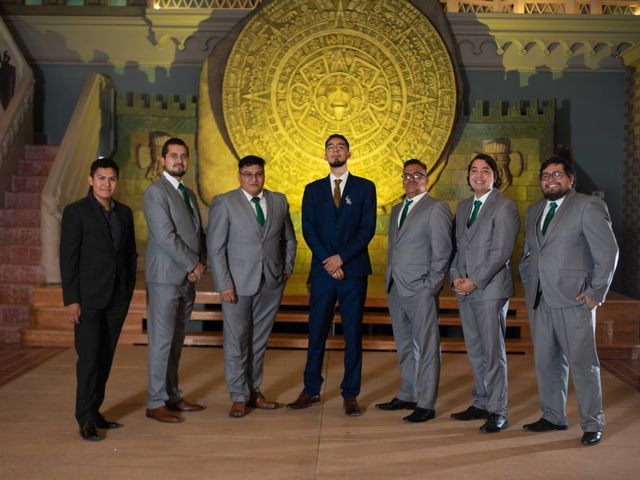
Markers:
point(20, 240)
point(50, 327)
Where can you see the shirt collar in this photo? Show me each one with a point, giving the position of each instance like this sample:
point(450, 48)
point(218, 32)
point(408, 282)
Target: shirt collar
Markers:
point(484, 197)
point(172, 180)
point(344, 177)
point(415, 199)
point(249, 196)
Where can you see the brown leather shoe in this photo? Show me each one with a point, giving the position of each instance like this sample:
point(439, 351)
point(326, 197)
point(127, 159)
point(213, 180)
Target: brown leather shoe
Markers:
point(238, 410)
point(351, 407)
point(258, 401)
point(183, 406)
point(304, 400)
point(163, 414)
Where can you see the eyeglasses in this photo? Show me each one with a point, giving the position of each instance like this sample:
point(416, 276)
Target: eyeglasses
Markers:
point(416, 176)
point(555, 175)
point(249, 175)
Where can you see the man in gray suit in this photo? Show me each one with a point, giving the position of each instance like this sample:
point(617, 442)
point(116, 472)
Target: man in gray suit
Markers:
point(486, 228)
point(252, 246)
point(418, 257)
point(175, 260)
point(570, 255)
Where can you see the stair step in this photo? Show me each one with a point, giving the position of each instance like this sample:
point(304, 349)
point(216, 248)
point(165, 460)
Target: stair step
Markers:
point(30, 274)
point(28, 184)
point(19, 236)
point(19, 218)
point(38, 168)
point(20, 255)
point(45, 153)
point(22, 200)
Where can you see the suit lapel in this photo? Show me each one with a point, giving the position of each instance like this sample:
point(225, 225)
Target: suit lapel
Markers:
point(101, 220)
point(559, 215)
point(485, 210)
point(393, 227)
point(348, 187)
point(421, 205)
point(249, 211)
point(326, 193)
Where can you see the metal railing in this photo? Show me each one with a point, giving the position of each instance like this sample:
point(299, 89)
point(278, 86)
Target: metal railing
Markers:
point(88, 136)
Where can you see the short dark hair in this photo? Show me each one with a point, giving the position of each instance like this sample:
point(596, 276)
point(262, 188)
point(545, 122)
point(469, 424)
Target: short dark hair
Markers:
point(415, 161)
point(104, 162)
point(566, 163)
point(251, 160)
point(497, 181)
point(173, 141)
point(336, 135)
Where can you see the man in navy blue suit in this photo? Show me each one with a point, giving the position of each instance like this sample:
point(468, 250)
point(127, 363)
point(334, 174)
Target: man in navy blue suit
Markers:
point(338, 222)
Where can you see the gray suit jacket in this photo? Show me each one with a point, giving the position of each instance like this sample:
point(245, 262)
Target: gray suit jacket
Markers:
point(176, 239)
point(483, 251)
point(241, 252)
point(418, 254)
point(578, 254)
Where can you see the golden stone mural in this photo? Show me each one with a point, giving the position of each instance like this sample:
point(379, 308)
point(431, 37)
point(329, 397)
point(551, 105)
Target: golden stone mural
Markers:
point(377, 72)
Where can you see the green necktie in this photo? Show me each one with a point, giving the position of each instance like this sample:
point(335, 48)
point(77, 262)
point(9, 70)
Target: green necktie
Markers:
point(185, 196)
point(476, 208)
point(550, 214)
point(404, 212)
point(259, 212)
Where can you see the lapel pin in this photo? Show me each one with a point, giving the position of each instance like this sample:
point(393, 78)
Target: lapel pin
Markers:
point(347, 200)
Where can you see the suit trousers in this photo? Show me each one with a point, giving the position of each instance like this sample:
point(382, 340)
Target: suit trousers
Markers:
point(415, 328)
point(351, 294)
point(96, 337)
point(564, 338)
point(168, 312)
point(484, 328)
point(247, 326)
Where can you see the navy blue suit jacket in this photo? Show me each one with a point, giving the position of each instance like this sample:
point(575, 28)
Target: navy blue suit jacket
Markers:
point(345, 231)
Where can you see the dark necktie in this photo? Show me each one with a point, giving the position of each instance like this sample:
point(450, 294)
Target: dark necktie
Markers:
point(476, 208)
point(259, 212)
point(547, 219)
point(185, 196)
point(405, 210)
point(336, 192)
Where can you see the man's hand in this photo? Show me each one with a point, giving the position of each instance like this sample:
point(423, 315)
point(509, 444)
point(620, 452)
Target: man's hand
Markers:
point(332, 264)
point(73, 313)
point(591, 303)
point(463, 286)
point(229, 295)
point(197, 272)
point(338, 274)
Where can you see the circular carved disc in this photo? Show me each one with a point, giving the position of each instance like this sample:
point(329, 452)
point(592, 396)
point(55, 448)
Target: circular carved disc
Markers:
point(377, 72)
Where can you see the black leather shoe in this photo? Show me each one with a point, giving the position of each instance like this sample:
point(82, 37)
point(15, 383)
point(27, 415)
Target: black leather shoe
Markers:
point(105, 424)
point(471, 413)
point(543, 425)
point(90, 434)
point(396, 404)
point(591, 438)
point(420, 415)
point(495, 423)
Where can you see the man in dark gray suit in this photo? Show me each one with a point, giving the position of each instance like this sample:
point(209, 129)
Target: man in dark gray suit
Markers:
point(570, 255)
point(418, 257)
point(486, 229)
point(175, 260)
point(252, 247)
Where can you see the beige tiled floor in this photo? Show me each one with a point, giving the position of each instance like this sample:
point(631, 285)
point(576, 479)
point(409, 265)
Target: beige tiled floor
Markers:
point(39, 439)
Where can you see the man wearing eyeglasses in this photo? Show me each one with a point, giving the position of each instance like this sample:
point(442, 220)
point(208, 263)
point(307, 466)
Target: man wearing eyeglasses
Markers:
point(570, 255)
point(252, 247)
point(338, 222)
point(418, 256)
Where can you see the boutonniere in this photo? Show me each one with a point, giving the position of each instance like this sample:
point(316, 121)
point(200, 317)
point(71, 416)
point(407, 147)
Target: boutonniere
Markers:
point(347, 200)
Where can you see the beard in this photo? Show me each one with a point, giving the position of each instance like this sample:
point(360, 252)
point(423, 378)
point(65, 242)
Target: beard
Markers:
point(553, 196)
point(176, 173)
point(338, 163)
